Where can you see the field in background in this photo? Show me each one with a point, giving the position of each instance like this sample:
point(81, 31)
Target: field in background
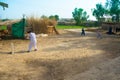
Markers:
point(71, 27)
point(68, 27)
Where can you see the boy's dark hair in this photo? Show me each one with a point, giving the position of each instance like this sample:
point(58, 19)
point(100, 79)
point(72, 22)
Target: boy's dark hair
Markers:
point(29, 31)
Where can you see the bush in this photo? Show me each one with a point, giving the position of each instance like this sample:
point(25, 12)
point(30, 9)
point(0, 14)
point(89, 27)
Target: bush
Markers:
point(91, 24)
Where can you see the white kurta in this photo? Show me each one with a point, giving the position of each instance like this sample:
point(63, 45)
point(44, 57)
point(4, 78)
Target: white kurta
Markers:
point(33, 41)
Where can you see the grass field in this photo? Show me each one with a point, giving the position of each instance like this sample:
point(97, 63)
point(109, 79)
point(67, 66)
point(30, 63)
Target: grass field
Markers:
point(69, 27)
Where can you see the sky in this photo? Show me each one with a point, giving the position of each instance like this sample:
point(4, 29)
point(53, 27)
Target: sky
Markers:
point(37, 8)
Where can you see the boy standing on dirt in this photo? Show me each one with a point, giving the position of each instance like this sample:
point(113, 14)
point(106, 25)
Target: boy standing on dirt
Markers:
point(99, 34)
point(33, 41)
point(83, 32)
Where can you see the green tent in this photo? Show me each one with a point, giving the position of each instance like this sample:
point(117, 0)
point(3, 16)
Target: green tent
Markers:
point(18, 29)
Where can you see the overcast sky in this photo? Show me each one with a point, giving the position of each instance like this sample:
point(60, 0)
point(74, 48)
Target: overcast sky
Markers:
point(63, 8)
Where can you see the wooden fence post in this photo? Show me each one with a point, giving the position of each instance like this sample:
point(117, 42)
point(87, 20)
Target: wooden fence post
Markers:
point(12, 48)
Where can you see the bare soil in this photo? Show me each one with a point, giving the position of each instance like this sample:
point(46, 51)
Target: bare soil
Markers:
point(68, 56)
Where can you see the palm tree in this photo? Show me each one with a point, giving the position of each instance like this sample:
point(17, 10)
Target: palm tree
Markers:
point(4, 5)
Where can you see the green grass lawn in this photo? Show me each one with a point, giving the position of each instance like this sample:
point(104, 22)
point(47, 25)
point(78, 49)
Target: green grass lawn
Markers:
point(69, 27)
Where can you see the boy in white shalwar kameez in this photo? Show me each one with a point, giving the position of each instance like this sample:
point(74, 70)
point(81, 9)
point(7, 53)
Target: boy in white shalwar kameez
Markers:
point(33, 41)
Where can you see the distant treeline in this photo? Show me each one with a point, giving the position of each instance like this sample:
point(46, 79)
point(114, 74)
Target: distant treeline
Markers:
point(86, 24)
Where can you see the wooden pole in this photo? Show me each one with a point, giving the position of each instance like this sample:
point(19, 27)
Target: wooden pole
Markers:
point(12, 48)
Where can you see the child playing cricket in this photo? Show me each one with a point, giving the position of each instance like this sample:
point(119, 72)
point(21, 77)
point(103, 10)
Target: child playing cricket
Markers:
point(83, 32)
point(99, 36)
point(33, 41)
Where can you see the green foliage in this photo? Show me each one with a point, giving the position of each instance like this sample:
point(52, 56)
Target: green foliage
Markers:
point(91, 24)
point(68, 27)
point(44, 17)
point(99, 12)
point(79, 15)
point(5, 19)
point(4, 5)
point(54, 17)
point(114, 8)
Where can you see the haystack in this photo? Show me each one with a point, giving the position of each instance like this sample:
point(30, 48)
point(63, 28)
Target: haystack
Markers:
point(39, 25)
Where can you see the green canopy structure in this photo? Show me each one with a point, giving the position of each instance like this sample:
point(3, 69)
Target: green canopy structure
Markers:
point(18, 29)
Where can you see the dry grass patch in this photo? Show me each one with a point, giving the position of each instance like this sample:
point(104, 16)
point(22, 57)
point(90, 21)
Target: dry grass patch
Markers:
point(40, 25)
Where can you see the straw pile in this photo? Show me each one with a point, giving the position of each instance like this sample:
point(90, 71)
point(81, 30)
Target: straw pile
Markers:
point(40, 25)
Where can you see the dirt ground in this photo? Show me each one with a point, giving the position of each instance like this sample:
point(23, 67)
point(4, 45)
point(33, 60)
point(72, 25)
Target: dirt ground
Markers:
point(68, 56)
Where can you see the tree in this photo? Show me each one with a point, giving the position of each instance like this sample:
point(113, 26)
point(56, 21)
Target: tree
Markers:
point(114, 7)
point(44, 17)
point(85, 16)
point(54, 17)
point(3, 5)
point(80, 16)
point(99, 12)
